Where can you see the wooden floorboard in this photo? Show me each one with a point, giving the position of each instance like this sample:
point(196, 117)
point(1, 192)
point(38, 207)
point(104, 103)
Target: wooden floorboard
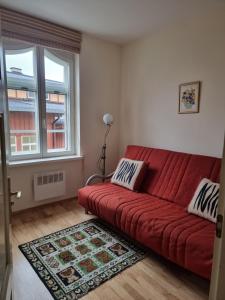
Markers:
point(153, 278)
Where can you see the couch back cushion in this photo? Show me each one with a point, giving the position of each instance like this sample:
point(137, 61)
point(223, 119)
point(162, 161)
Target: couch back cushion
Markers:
point(174, 176)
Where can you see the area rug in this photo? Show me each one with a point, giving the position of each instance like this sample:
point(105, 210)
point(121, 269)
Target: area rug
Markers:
point(75, 260)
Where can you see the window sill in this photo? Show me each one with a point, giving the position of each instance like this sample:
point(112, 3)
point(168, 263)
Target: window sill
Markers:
point(40, 161)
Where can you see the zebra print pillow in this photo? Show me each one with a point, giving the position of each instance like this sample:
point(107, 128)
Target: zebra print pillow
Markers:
point(205, 200)
point(129, 173)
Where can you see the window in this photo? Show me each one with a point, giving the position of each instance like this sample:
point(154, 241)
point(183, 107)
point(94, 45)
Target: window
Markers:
point(23, 110)
point(47, 98)
point(57, 84)
point(28, 143)
point(30, 95)
point(13, 143)
point(41, 102)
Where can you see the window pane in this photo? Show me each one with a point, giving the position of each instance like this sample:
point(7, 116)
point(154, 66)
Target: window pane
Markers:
point(20, 65)
point(57, 97)
point(22, 100)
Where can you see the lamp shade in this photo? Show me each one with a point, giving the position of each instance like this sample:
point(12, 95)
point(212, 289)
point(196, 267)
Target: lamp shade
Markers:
point(108, 119)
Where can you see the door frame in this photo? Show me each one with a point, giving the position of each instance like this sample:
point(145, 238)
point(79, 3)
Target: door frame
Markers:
point(7, 284)
point(6, 292)
point(217, 288)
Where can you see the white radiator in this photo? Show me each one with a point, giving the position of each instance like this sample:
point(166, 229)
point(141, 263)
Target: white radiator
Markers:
point(49, 185)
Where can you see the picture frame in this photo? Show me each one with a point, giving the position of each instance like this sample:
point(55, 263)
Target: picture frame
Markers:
point(189, 97)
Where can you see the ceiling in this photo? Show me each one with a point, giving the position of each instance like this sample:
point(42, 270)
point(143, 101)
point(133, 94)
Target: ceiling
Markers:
point(119, 21)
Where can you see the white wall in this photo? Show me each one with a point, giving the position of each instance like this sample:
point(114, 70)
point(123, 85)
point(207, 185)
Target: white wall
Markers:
point(153, 68)
point(21, 179)
point(100, 91)
point(145, 105)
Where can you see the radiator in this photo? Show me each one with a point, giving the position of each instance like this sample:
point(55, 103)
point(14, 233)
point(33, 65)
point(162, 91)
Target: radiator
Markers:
point(49, 185)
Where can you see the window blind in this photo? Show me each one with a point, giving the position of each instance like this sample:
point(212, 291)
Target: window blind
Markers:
point(31, 29)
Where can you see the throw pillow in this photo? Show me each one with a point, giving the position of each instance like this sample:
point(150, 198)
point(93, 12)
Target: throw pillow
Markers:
point(205, 200)
point(129, 173)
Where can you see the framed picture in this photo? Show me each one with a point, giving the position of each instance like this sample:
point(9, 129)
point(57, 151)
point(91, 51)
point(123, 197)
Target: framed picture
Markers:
point(189, 97)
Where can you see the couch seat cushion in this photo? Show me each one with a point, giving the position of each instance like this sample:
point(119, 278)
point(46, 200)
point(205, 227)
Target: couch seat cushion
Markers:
point(104, 199)
point(163, 226)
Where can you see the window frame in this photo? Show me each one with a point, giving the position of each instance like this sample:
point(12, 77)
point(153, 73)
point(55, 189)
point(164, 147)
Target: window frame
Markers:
point(72, 102)
point(20, 46)
point(69, 103)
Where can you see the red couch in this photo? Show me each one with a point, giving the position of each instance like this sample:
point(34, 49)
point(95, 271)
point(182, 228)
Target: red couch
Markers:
point(157, 215)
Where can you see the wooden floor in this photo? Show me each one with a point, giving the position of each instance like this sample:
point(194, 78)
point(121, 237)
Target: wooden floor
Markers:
point(151, 279)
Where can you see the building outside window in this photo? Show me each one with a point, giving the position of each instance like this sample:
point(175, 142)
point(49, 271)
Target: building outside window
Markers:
point(41, 101)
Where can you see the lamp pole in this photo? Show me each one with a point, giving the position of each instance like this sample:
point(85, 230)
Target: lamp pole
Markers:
point(103, 158)
point(108, 121)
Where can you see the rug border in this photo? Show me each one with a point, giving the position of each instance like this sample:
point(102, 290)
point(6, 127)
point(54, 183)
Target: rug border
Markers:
point(105, 226)
point(98, 220)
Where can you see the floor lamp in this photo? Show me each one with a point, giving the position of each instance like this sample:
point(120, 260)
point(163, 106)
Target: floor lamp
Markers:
point(108, 121)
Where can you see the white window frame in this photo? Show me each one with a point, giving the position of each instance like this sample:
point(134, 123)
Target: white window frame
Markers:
point(70, 123)
point(72, 102)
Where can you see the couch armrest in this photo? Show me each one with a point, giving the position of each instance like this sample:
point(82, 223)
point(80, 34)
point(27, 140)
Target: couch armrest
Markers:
point(98, 176)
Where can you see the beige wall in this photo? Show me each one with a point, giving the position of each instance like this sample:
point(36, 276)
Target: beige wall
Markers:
point(99, 83)
point(152, 69)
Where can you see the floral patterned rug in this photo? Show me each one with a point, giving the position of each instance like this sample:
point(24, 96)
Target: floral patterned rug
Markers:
point(75, 260)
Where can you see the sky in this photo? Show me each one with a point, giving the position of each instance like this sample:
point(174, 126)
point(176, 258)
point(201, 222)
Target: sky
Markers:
point(24, 61)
